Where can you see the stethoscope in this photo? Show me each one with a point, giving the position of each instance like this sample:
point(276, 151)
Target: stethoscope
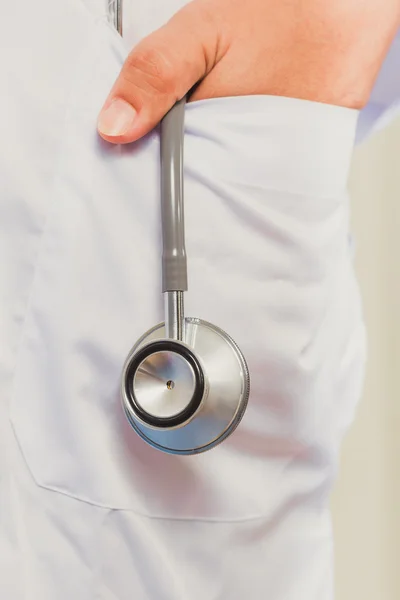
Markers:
point(185, 383)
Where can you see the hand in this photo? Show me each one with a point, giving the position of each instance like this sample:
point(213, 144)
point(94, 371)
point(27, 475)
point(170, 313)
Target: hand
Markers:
point(311, 49)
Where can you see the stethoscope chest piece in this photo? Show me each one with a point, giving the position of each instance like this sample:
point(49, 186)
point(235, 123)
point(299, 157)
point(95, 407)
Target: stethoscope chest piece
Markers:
point(185, 397)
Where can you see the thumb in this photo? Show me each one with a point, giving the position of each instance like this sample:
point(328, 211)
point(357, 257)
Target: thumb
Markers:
point(161, 69)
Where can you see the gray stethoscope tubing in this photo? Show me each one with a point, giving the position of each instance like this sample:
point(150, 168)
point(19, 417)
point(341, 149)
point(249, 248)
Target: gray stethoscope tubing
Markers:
point(185, 383)
point(174, 263)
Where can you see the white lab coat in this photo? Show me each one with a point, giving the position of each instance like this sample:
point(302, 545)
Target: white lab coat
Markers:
point(87, 510)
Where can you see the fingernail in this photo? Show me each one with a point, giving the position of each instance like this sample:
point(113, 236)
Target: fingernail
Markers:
point(116, 119)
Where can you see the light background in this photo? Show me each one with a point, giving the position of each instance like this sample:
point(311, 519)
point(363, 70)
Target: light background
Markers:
point(366, 502)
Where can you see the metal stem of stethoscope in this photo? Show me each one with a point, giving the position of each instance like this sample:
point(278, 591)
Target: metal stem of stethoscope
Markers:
point(185, 383)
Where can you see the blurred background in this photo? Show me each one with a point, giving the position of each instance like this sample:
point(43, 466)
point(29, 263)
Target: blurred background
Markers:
point(366, 502)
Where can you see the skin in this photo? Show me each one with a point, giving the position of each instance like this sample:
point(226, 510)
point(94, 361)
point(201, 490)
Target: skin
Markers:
point(321, 50)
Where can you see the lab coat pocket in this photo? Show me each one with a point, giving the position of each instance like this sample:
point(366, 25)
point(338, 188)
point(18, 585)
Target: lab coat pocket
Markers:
point(252, 271)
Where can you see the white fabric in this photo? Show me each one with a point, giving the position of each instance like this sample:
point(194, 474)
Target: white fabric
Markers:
point(87, 510)
point(384, 103)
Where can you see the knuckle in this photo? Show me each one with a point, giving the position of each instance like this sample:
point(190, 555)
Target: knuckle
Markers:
point(149, 68)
